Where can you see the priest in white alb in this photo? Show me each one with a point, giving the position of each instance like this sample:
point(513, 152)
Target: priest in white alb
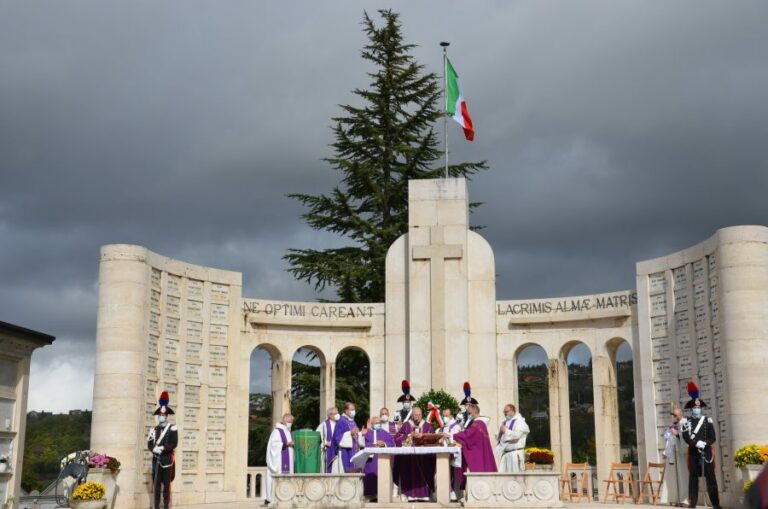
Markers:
point(279, 452)
point(510, 441)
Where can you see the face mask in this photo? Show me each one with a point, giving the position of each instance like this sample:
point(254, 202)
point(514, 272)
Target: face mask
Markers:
point(377, 426)
point(288, 425)
point(162, 419)
point(696, 412)
point(406, 406)
point(384, 418)
point(336, 417)
point(352, 413)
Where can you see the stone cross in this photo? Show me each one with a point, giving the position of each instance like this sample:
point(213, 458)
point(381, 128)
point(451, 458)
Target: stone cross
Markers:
point(437, 252)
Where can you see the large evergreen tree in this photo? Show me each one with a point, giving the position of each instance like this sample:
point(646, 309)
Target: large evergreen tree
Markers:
point(378, 146)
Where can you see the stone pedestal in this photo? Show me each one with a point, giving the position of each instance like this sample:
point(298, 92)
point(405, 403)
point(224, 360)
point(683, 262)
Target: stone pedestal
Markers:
point(317, 490)
point(528, 489)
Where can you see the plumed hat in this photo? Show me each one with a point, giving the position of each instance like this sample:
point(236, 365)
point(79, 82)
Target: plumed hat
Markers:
point(693, 392)
point(468, 395)
point(164, 409)
point(406, 396)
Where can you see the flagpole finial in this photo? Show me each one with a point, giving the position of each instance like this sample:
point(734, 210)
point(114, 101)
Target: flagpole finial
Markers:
point(445, 44)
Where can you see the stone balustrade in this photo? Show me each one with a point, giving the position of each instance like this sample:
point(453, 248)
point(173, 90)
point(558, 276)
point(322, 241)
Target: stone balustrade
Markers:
point(317, 490)
point(529, 489)
point(256, 482)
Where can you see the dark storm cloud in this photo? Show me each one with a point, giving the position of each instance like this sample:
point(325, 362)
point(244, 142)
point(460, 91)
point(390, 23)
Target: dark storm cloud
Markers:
point(616, 132)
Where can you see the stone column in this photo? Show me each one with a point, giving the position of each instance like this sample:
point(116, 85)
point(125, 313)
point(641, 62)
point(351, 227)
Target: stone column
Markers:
point(606, 414)
point(121, 338)
point(281, 388)
point(327, 388)
point(559, 412)
point(742, 259)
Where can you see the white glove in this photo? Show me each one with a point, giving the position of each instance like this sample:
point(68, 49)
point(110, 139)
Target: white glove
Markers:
point(701, 444)
point(158, 449)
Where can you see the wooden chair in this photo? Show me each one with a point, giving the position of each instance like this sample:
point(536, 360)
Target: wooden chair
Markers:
point(650, 486)
point(620, 479)
point(575, 482)
point(530, 466)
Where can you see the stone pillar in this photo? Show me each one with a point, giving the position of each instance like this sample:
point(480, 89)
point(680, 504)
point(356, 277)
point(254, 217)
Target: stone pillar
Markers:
point(606, 414)
point(118, 388)
point(327, 389)
point(742, 259)
point(559, 412)
point(281, 388)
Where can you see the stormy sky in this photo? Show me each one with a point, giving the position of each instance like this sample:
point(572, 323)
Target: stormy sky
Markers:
point(615, 132)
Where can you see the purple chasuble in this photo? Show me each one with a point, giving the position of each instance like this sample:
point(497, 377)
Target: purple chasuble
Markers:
point(330, 453)
point(342, 426)
point(371, 469)
point(476, 452)
point(392, 428)
point(285, 457)
point(415, 475)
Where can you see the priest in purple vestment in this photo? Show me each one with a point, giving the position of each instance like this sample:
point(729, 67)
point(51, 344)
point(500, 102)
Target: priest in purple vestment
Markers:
point(415, 475)
point(375, 436)
point(345, 438)
point(476, 451)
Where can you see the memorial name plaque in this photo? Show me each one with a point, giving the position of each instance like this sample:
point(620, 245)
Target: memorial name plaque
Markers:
point(684, 342)
point(218, 355)
point(685, 366)
point(216, 418)
point(216, 440)
point(723, 425)
point(682, 320)
point(188, 483)
point(174, 284)
point(681, 300)
point(699, 295)
point(705, 365)
point(155, 278)
point(195, 331)
point(151, 390)
point(680, 277)
point(154, 322)
point(171, 326)
point(214, 482)
point(193, 351)
point(218, 333)
point(219, 313)
point(715, 332)
point(663, 368)
point(712, 262)
point(715, 311)
point(147, 462)
point(191, 439)
point(215, 461)
point(720, 383)
point(219, 293)
point(195, 289)
point(699, 270)
point(191, 417)
point(658, 304)
point(661, 348)
point(703, 337)
point(217, 396)
point(191, 394)
point(217, 375)
point(189, 460)
point(718, 362)
point(663, 392)
point(658, 326)
point(152, 346)
point(172, 305)
point(152, 367)
point(154, 300)
point(707, 386)
point(171, 370)
point(656, 283)
point(713, 287)
point(663, 414)
point(700, 314)
point(194, 310)
point(173, 390)
point(192, 374)
point(149, 411)
point(171, 347)
point(720, 406)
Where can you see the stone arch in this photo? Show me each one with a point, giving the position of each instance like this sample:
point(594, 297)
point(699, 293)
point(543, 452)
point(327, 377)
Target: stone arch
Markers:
point(622, 366)
point(346, 373)
point(308, 402)
point(532, 394)
point(580, 396)
point(263, 411)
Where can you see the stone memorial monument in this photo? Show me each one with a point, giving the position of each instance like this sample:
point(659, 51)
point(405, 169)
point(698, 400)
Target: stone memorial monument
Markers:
point(164, 324)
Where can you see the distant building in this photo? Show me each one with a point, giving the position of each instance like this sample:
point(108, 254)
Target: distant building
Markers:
point(16, 347)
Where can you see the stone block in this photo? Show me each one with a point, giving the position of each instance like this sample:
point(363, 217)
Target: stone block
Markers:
point(317, 491)
point(528, 489)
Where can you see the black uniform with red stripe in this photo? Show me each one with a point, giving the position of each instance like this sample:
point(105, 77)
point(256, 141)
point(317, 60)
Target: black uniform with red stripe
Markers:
point(701, 460)
point(163, 464)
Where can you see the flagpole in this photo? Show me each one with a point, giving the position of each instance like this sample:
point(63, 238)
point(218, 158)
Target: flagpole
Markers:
point(445, 45)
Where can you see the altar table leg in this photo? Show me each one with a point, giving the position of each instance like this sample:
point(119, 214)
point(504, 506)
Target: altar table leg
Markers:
point(443, 478)
point(384, 479)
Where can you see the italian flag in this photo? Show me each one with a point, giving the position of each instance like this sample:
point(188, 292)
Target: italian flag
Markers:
point(455, 103)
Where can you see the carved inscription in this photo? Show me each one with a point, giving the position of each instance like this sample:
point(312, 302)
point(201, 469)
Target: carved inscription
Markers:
point(194, 310)
point(218, 355)
point(217, 396)
point(195, 331)
point(218, 333)
point(195, 289)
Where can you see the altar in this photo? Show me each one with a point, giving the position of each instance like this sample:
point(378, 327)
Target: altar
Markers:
point(444, 456)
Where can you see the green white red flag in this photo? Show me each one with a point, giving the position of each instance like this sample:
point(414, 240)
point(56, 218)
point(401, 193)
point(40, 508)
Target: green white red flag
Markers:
point(455, 103)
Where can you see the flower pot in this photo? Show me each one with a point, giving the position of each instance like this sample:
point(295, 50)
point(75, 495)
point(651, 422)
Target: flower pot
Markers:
point(108, 479)
point(88, 504)
point(749, 472)
point(546, 466)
